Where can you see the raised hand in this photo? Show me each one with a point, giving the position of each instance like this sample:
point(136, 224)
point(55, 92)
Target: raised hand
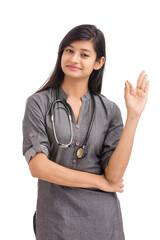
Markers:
point(136, 99)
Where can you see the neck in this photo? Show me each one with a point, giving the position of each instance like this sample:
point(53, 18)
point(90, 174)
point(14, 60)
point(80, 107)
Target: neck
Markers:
point(75, 88)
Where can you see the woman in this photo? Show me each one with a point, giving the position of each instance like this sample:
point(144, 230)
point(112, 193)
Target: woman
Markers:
point(80, 162)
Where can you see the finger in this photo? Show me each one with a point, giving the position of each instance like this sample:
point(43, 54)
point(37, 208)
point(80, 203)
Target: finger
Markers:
point(121, 191)
point(127, 85)
point(131, 88)
point(127, 89)
point(130, 85)
point(140, 78)
point(122, 180)
point(143, 83)
point(146, 88)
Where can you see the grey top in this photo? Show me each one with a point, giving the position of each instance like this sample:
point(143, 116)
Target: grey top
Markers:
point(68, 212)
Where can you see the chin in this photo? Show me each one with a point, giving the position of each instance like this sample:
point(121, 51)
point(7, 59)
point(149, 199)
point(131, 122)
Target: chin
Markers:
point(73, 75)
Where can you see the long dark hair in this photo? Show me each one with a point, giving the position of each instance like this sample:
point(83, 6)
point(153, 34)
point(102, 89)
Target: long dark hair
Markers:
point(81, 32)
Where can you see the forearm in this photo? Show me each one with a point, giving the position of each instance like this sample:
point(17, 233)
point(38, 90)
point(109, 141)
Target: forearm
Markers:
point(41, 167)
point(120, 157)
point(136, 100)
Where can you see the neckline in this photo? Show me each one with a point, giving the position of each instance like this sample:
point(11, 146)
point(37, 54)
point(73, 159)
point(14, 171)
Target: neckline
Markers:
point(64, 95)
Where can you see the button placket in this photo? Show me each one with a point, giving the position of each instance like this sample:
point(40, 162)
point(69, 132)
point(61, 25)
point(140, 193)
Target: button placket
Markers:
point(77, 143)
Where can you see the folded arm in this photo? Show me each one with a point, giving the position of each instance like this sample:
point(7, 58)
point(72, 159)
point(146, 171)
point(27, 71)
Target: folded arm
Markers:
point(43, 168)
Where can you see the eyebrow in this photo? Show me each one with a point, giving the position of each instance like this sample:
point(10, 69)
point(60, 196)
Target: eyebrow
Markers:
point(83, 49)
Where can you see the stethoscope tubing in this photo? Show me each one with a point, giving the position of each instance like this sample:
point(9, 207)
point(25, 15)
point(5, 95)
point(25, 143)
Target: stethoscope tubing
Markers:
point(70, 123)
point(81, 151)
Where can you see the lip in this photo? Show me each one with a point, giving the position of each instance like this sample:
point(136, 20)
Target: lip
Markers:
point(73, 68)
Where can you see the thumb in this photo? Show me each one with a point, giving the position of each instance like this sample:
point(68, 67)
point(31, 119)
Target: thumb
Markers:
point(127, 89)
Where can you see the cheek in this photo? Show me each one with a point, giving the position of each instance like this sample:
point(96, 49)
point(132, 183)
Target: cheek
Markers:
point(63, 60)
point(89, 66)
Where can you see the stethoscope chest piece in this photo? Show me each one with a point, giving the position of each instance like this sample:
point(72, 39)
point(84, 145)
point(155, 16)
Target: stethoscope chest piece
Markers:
point(81, 152)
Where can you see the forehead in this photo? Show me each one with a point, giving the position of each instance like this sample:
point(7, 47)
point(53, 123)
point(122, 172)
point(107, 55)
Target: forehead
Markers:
point(83, 45)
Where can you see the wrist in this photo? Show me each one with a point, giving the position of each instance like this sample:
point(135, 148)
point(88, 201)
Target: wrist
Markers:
point(97, 181)
point(133, 117)
point(131, 121)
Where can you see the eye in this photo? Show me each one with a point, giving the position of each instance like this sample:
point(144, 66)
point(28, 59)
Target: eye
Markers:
point(85, 55)
point(69, 50)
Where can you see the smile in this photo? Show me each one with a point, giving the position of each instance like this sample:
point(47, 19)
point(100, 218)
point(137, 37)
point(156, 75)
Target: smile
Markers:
point(73, 68)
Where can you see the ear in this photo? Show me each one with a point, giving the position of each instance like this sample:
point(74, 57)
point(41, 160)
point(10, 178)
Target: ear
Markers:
point(99, 63)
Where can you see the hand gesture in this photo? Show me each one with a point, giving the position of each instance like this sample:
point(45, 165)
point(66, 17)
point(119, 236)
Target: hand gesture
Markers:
point(136, 99)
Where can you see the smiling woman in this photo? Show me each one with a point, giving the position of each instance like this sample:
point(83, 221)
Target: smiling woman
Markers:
point(77, 65)
point(94, 47)
point(75, 144)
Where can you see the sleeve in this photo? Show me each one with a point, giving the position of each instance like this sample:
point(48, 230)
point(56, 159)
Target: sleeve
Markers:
point(112, 137)
point(35, 138)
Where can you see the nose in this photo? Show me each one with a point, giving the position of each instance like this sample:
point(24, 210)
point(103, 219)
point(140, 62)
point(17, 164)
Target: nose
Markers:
point(75, 58)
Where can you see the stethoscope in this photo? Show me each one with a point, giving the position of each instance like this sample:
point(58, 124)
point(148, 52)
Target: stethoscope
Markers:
point(81, 151)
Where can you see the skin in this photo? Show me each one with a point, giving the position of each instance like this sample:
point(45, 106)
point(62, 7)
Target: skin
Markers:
point(75, 84)
point(135, 99)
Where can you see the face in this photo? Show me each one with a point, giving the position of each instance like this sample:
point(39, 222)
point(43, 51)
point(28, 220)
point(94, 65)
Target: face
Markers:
point(79, 60)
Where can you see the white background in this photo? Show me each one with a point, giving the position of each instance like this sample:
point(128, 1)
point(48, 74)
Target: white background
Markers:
point(30, 35)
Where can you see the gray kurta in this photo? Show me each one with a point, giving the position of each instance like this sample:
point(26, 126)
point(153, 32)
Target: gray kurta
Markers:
point(70, 213)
